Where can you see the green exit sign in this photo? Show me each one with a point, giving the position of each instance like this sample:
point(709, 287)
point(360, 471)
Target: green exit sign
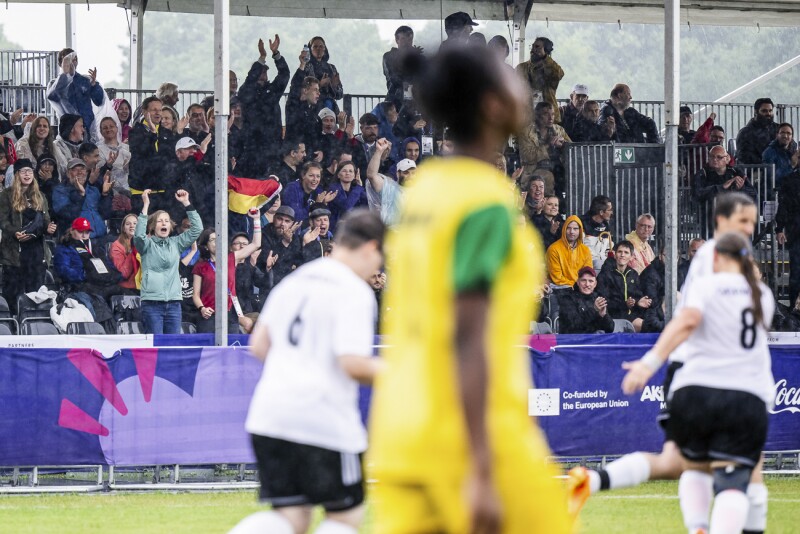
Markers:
point(624, 155)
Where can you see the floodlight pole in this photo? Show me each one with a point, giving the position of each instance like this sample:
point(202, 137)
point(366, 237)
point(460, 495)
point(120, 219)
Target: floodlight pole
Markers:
point(70, 26)
point(672, 79)
point(222, 13)
point(136, 48)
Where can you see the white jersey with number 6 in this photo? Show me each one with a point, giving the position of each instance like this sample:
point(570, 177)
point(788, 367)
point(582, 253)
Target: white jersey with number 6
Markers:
point(728, 350)
point(318, 313)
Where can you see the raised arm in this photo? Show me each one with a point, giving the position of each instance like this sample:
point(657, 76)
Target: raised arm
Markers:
point(382, 145)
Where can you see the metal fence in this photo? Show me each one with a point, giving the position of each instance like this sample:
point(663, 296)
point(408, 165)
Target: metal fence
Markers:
point(27, 67)
point(632, 175)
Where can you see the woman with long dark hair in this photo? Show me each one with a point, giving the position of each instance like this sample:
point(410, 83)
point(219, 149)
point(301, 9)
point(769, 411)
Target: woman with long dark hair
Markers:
point(37, 140)
point(24, 220)
point(719, 398)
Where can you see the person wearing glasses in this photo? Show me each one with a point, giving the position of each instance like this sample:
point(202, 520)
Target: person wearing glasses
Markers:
point(718, 176)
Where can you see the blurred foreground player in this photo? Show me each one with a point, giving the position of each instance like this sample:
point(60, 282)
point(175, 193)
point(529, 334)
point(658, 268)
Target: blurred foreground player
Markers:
point(451, 442)
point(316, 333)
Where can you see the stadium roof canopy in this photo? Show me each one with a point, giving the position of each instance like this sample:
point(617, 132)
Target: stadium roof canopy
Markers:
point(714, 12)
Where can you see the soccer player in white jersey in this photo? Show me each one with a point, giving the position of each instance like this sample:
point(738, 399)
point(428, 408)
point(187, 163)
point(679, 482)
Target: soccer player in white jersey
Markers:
point(733, 212)
point(719, 398)
point(316, 336)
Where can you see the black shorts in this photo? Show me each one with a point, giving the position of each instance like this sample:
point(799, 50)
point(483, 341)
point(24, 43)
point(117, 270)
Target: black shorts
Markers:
point(718, 424)
point(663, 415)
point(293, 474)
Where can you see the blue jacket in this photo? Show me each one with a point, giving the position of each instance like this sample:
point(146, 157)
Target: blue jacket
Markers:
point(68, 205)
point(75, 94)
point(781, 158)
point(295, 197)
point(344, 202)
point(68, 265)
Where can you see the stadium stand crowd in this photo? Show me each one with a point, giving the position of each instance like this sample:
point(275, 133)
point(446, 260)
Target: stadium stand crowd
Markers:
point(73, 191)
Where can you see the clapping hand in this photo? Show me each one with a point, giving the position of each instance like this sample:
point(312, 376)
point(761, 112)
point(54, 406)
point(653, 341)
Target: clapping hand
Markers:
point(262, 52)
point(357, 180)
point(311, 235)
point(204, 144)
point(324, 81)
point(645, 302)
point(341, 119)
point(93, 76)
point(631, 302)
point(274, 44)
point(107, 183)
point(601, 305)
point(324, 198)
point(288, 234)
point(182, 124)
point(739, 180)
point(112, 157)
point(16, 116)
point(272, 259)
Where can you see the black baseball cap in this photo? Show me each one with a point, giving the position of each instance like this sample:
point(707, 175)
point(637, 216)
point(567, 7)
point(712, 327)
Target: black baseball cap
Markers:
point(459, 19)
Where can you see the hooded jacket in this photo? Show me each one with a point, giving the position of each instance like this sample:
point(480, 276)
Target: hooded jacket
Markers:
point(781, 158)
point(564, 261)
point(753, 139)
point(125, 127)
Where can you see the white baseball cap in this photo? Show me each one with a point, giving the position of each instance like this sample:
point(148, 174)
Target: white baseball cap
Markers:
point(406, 164)
point(580, 89)
point(186, 142)
point(326, 112)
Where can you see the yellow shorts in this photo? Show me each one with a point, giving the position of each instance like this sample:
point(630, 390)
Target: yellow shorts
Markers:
point(532, 502)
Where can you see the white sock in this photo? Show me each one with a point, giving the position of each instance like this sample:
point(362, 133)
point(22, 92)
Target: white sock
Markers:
point(757, 515)
point(695, 490)
point(729, 513)
point(261, 522)
point(630, 470)
point(334, 527)
point(594, 481)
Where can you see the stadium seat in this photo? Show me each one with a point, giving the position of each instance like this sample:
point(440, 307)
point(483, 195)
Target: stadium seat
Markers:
point(188, 328)
point(130, 327)
point(5, 330)
point(89, 328)
point(28, 310)
point(6, 319)
point(126, 308)
point(39, 328)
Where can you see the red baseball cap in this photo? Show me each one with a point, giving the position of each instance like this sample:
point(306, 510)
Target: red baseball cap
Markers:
point(82, 225)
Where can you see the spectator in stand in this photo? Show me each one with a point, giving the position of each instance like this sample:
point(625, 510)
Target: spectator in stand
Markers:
point(653, 278)
point(148, 142)
point(499, 45)
point(387, 117)
point(9, 130)
point(292, 157)
point(301, 194)
point(318, 234)
point(476, 39)
point(630, 126)
point(5, 168)
point(160, 255)
point(757, 134)
point(542, 75)
point(198, 127)
point(74, 93)
point(541, 146)
point(342, 154)
point(24, 221)
point(567, 256)
point(260, 99)
point(124, 115)
point(458, 27)
point(621, 287)
point(642, 254)
point(782, 152)
point(365, 143)
point(302, 122)
point(719, 177)
point(586, 129)
point(788, 228)
point(90, 155)
point(549, 222)
point(398, 83)
point(114, 154)
point(683, 266)
point(411, 122)
point(572, 110)
point(188, 172)
point(598, 219)
point(249, 280)
point(75, 199)
point(38, 140)
point(349, 190)
point(331, 136)
point(82, 265)
point(410, 149)
point(168, 94)
point(171, 121)
point(124, 255)
point(47, 178)
point(205, 274)
point(534, 200)
point(384, 195)
point(233, 82)
point(709, 133)
point(282, 247)
point(318, 66)
point(70, 137)
point(582, 310)
point(685, 132)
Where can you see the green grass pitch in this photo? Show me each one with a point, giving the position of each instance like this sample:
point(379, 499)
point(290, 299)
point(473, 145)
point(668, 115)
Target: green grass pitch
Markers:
point(652, 507)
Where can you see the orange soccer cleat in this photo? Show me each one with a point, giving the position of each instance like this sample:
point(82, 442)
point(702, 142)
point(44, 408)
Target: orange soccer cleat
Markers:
point(577, 489)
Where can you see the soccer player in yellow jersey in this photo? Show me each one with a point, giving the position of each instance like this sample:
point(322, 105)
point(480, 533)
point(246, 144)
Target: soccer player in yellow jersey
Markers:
point(452, 447)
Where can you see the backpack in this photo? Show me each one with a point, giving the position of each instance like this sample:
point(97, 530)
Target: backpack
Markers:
point(599, 246)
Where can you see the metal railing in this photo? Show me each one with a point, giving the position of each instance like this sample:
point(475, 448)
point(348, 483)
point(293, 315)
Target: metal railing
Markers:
point(28, 67)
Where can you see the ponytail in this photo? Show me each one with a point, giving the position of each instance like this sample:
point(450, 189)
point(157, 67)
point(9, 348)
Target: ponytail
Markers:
point(736, 247)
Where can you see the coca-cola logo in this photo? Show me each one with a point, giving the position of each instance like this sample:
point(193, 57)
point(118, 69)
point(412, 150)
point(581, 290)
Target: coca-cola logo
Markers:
point(786, 399)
